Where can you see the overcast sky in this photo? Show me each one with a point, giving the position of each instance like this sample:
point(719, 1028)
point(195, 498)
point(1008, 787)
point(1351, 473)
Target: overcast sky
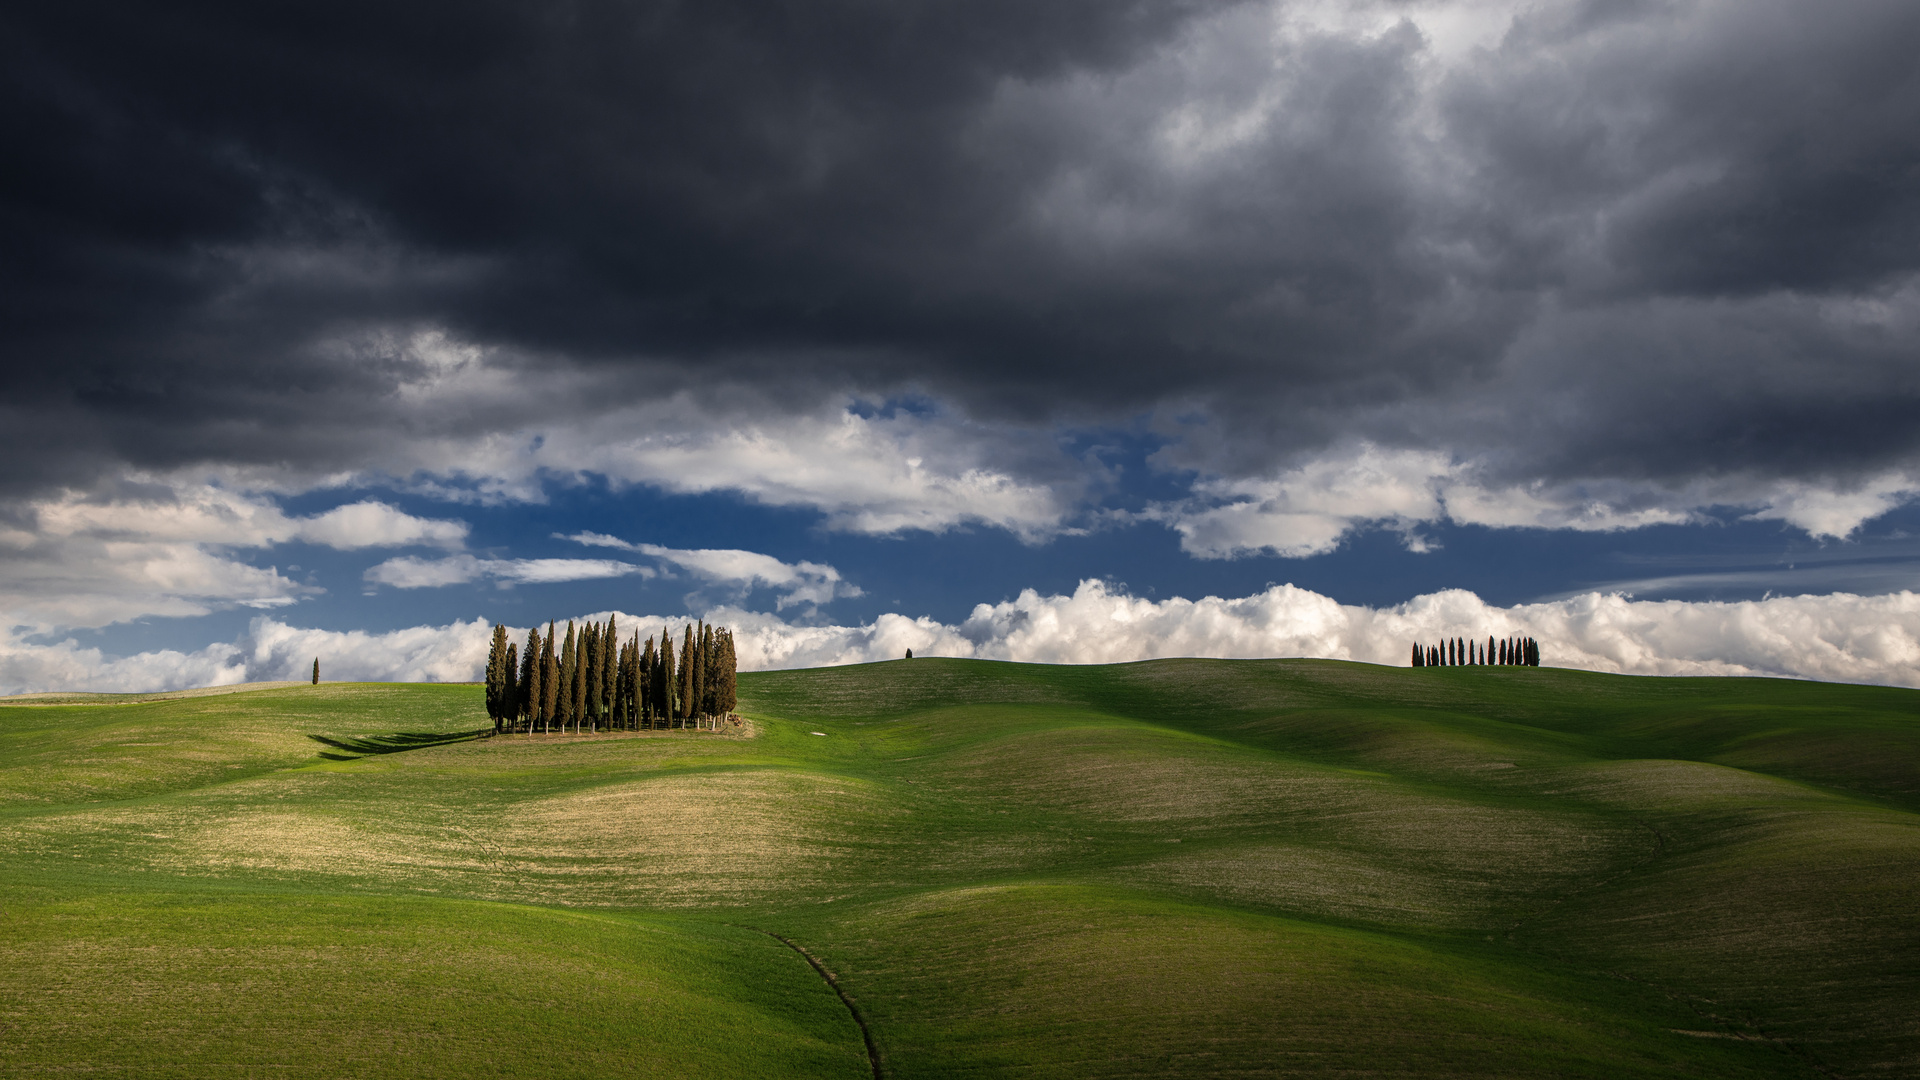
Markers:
point(375, 318)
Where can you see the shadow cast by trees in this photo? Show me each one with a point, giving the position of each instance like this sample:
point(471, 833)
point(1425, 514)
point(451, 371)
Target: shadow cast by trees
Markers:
point(355, 749)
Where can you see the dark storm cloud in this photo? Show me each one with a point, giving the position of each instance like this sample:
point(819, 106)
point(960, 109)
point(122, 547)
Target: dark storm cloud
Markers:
point(1630, 240)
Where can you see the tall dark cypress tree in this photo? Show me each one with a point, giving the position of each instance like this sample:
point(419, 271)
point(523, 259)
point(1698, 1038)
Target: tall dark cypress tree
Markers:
point(647, 684)
point(610, 664)
point(669, 679)
point(730, 665)
point(549, 681)
point(530, 677)
point(496, 655)
point(617, 688)
point(589, 673)
point(630, 685)
point(509, 690)
point(578, 687)
point(685, 683)
point(703, 671)
point(563, 688)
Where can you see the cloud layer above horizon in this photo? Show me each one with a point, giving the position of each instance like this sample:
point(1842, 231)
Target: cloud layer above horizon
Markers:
point(1838, 637)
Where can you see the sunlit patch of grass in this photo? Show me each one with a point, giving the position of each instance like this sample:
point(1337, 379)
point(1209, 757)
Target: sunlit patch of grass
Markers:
point(190, 985)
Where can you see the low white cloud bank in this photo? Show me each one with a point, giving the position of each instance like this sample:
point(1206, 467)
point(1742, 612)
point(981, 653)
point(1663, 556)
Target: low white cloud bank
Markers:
point(268, 650)
point(1308, 510)
point(800, 583)
point(169, 549)
point(1838, 637)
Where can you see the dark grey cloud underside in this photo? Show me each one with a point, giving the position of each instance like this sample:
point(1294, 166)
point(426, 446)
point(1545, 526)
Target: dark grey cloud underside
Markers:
point(1636, 240)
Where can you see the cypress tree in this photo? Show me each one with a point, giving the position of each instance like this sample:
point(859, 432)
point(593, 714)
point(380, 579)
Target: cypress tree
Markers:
point(316, 671)
point(491, 683)
point(666, 695)
point(1416, 656)
point(590, 671)
point(630, 685)
point(611, 661)
point(529, 689)
point(563, 684)
point(647, 683)
point(499, 677)
point(730, 666)
point(549, 680)
point(578, 687)
point(616, 688)
point(705, 672)
point(495, 657)
point(687, 701)
point(509, 689)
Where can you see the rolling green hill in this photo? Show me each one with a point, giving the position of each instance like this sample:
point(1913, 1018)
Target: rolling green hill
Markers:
point(1174, 868)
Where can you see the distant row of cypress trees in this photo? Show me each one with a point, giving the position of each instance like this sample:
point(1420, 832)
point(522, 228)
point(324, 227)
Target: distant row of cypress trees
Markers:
point(590, 680)
point(1513, 652)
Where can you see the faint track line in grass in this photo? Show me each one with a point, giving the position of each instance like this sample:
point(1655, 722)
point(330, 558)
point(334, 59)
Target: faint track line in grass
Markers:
point(866, 1034)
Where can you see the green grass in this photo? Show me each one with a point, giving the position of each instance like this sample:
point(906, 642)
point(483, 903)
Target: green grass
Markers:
point(1176, 868)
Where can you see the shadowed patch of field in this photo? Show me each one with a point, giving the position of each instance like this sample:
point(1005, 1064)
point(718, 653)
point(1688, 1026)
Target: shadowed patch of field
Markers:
point(1069, 981)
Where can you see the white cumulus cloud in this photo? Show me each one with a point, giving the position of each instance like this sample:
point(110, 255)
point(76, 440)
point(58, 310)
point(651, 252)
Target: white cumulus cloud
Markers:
point(408, 572)
point(172, 549)
point(1309, 509)
point(801, 582)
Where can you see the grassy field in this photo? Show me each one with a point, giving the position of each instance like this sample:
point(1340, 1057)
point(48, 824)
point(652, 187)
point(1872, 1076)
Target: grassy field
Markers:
point(1175, 868)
